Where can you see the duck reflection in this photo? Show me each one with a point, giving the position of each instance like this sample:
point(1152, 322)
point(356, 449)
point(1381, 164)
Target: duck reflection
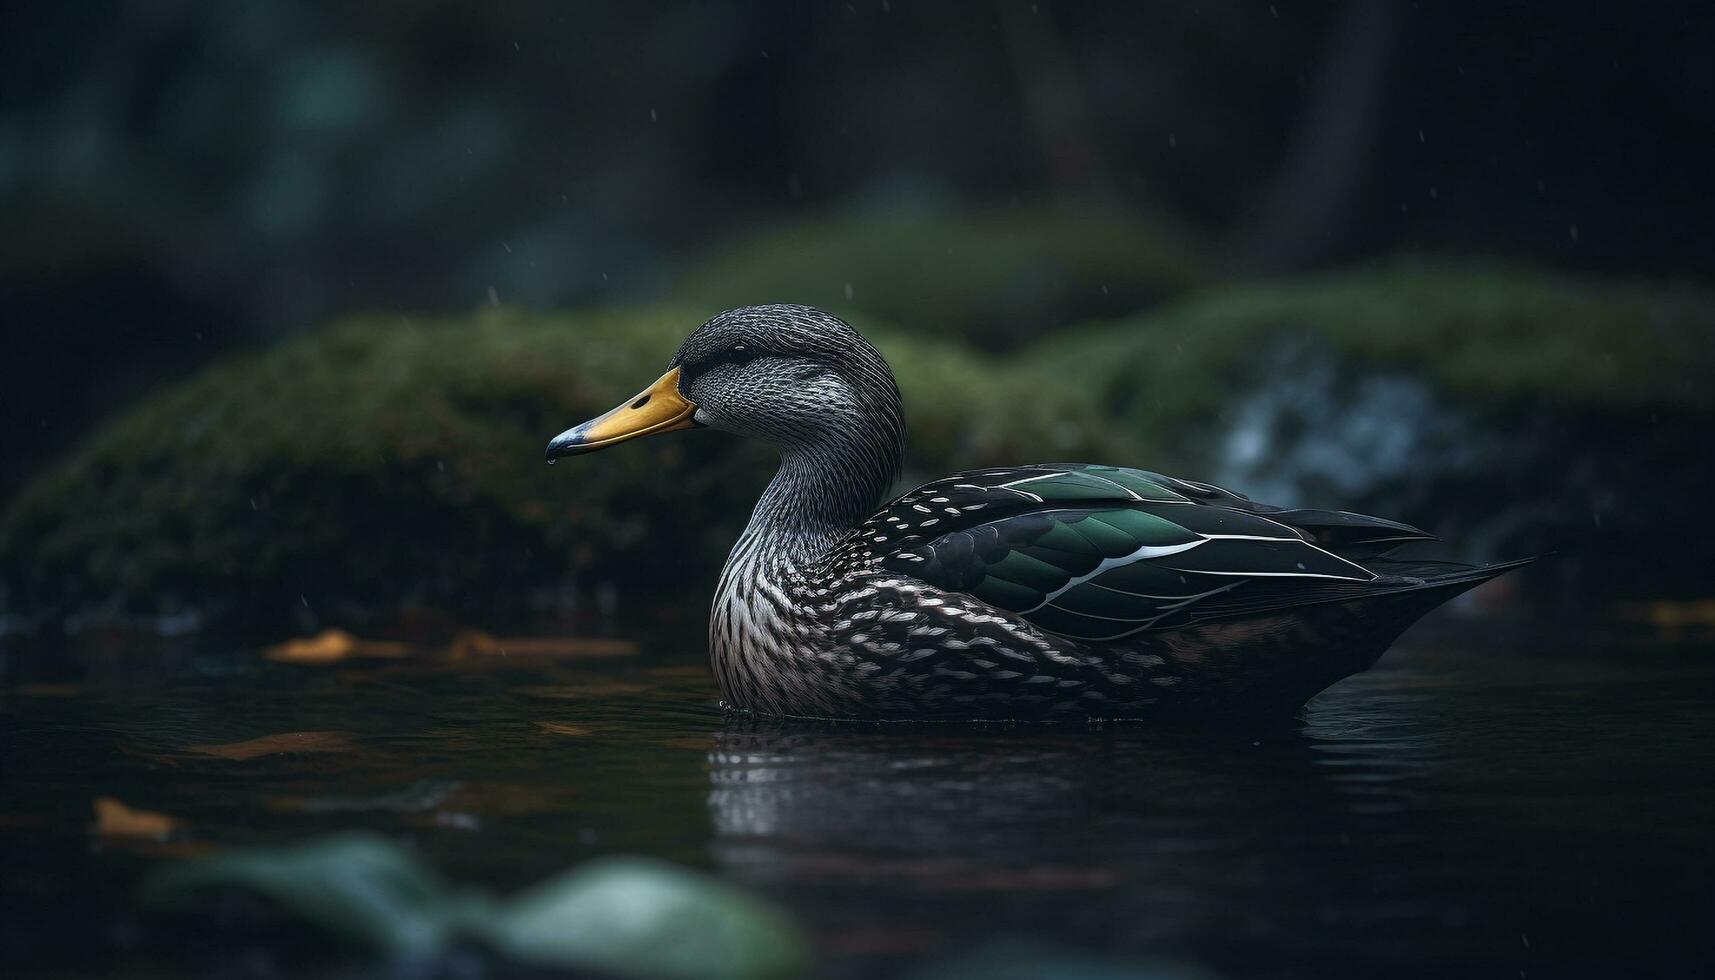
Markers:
point(881, 835)
point(999, 795)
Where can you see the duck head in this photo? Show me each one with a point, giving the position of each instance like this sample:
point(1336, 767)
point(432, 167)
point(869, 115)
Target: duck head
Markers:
point(791, 376)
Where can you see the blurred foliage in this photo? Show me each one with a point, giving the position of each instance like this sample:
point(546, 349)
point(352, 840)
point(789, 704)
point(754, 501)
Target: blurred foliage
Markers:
point(997, 278)
point(618, 917)
point(195, 179)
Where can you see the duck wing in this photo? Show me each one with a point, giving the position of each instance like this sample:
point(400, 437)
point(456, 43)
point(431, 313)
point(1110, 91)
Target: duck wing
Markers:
point(1098, 553)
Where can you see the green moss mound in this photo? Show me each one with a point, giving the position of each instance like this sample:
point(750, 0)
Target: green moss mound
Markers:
point(384, 463)
point(1489, 336)
point(997, 278)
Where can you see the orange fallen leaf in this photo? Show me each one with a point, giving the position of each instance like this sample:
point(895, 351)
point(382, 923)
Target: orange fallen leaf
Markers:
point(115, 819)
point(331, 646)
point(559, 728)
point(1672, 618)
point(477, 642)
point(48, 690)
point(285, 742)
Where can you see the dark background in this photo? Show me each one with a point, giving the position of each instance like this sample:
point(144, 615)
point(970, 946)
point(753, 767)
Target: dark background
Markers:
point(184, 180)
point(181, 178)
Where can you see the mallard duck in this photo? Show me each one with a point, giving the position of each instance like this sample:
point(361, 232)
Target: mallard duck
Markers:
point(1046, 591)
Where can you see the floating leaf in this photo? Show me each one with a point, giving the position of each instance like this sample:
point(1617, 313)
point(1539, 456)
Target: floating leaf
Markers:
point(1673, 620)
point(331, 646)
point(114, 819)
point(48, 690)
point(476, 642)
point(559, 728)
point(283, 743)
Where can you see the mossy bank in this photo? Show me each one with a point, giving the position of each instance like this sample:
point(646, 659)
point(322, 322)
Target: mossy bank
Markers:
point(385, 464)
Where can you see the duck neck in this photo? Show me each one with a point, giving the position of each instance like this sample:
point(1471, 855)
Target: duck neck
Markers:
point(821, 492)
point(814, 500)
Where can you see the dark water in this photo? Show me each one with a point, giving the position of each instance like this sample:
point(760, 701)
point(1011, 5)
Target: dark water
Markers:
point(1484, 803)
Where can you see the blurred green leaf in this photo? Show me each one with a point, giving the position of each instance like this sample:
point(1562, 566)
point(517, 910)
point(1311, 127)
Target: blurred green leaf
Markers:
point(357, 885)
point(627, 917)
point(636, 917)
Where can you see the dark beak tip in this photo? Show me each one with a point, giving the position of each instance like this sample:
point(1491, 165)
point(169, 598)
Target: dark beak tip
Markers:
point(560, 447)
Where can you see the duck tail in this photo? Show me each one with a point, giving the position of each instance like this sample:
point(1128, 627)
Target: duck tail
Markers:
point(1453, 578)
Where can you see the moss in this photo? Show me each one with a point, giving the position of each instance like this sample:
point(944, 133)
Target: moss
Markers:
point(994, 277)
point(1496, 339)
point(384, 462)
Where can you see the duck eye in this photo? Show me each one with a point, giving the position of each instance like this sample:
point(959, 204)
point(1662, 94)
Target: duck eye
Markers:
point(740, 349)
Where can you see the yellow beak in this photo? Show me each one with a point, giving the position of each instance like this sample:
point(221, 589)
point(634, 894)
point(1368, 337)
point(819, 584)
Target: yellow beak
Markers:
point(657, 408)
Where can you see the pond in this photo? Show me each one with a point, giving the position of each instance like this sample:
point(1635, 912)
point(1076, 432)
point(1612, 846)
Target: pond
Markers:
point(1488, 801)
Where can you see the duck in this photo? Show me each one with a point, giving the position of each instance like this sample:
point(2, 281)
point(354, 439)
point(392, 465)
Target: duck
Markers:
point(1039, 592)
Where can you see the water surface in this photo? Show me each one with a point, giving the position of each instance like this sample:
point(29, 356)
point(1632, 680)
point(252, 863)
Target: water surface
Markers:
point(1486, 802)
